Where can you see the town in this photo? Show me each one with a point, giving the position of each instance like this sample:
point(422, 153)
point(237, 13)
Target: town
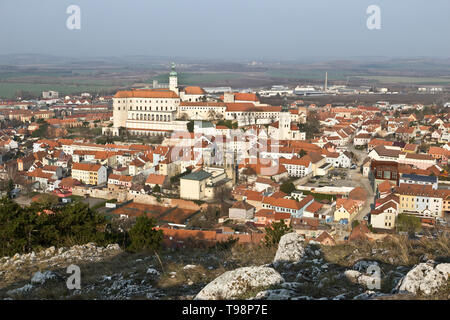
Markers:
point(212, 165)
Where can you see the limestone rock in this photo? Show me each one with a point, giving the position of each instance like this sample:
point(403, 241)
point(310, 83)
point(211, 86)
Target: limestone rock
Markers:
point(232, 284)
point(42, 277)
point(290, 249)
point(278, 294)
point(425, 278)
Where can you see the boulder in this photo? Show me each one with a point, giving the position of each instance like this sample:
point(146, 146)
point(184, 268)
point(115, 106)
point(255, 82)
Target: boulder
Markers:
point(290, 249)
point(426, 278)
point(42, 277)
point(232, 284)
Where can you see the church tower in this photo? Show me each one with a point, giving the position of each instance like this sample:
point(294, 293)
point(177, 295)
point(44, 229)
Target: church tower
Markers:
point(173, 79)
point(284, 125)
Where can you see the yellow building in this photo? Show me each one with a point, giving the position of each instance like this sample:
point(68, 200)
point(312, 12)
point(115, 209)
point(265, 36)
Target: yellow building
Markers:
point(193, 185)
point(346, 209)
point(407, 202)
point(92, 174)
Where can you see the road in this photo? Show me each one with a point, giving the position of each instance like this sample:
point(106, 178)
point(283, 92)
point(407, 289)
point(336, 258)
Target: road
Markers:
point(356, 176)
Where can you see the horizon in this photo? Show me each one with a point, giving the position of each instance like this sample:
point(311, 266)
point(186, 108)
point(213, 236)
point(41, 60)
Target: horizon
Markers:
point(170, 29)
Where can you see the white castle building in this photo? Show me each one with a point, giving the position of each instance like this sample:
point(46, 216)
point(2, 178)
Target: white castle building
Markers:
point(152, 111)
point(160, 111)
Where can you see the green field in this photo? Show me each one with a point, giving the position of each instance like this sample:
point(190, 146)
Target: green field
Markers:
point(198, 78)
point(306, 74)
point(8, 90)
point(412, 80)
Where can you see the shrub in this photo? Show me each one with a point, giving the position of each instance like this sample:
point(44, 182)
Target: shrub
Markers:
point(275, 231)
point(144, 236)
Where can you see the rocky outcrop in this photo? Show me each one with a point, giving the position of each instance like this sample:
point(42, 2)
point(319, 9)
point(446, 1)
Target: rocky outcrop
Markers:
point(363, 273)
point(290, 249)
point(55, 258)
point(43, 277)
point(277, 294)
point(426, 278)
point(233, 284)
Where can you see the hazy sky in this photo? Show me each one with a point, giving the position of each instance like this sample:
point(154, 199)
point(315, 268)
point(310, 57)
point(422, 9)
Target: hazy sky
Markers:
point(233, 29)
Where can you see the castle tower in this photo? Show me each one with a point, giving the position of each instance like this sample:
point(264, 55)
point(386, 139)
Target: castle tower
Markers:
point(173, 80)
point(284, 125)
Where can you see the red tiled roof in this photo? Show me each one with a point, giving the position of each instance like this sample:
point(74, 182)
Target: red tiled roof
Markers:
point(146, 93)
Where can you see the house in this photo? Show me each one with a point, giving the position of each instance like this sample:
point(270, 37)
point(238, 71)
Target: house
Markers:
point(202, 184)
point(193, 185)
point(383, 170)
point(378, 142)
point(92, 174)
point(295, 208)
point(157, 180)
point(68, 184)
point(339, 160)
point(241, 210)
point(420, 161)
point(389, 198)
point(406, 133)
point(266, 185)
point(410, 147)
point(307, 227)
point(46, 181)
point(54, 170)
point(419, 179)
point(440, 154)
point(382, 153)
point(297, 167)
point(359, 232)
point(358, 194)
point(139, 164)
point(24, 163)
point(361, 139)
point(421, 200)
point(384, 216)
point(346, 210)
point(266, 217)
point(315, 210)
point(120, 180)
point(385, 188)
point(325, 239)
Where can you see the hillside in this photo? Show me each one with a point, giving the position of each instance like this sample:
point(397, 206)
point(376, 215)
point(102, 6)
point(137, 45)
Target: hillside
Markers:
point(319, 272)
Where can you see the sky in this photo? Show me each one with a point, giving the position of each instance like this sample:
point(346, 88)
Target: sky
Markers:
point(227, 29)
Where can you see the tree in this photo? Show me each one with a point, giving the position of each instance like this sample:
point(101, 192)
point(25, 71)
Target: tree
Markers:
point(144, 236)
point(41, 132)
point(10, 187)
point(190, 126)
point(355, 223)
point(275, 231)
point(302, 153)
point(156, 188)
point(408, 223)
point(287, 187)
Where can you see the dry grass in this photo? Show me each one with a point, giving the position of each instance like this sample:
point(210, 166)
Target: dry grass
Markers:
point(393, 250)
